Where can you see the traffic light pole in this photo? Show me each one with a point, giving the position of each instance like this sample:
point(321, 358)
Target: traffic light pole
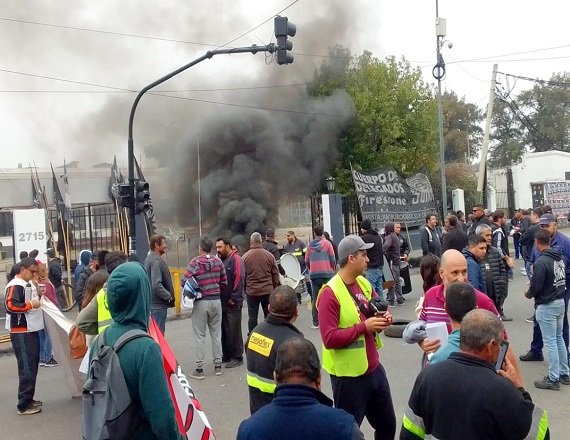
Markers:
point(271, 48)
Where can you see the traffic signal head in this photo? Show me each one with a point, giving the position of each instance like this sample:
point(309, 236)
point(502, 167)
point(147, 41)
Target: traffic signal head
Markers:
point(125, 195)
point(142, 196)
point(284, 29)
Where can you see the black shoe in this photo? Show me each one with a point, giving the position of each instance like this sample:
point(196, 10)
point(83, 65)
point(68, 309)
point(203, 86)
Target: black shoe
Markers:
point(401, 301)
point(547, 384)
point(531, 357)
point(234, 363)
point(505, 319)
point(392, 303)
point(226, 360)
point(565, 380)
point(530, 320)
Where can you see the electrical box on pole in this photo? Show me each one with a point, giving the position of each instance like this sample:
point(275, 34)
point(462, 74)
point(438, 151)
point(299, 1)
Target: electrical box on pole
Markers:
point(284, 29)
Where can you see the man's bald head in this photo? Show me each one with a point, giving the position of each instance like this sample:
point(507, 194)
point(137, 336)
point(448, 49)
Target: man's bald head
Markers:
point(453, 267)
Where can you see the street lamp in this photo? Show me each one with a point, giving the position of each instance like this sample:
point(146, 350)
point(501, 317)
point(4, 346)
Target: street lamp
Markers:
point(438, 73)
point(331, 184)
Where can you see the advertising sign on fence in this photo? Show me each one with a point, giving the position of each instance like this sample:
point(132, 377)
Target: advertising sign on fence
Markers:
point(558, 197)
point(386, 196)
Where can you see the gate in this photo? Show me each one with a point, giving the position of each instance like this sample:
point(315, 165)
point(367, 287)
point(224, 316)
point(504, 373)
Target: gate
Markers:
point(350, 213)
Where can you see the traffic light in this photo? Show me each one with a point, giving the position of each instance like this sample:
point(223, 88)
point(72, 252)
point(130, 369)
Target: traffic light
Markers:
point(284, 29)
point(142, 196)
point(125, 195)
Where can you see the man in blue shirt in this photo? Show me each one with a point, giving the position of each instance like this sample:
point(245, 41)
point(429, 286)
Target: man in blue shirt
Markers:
point(476, 251)
point(460, 299)
point(562, 243)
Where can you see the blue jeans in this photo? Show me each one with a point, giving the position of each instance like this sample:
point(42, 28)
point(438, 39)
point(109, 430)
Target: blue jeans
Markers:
point(45, 346)
point(318, 283)
point(537, 343)
point(516, 239)
point(550, 317)
point(528, 270)
point(159, 316)
point(375, 276)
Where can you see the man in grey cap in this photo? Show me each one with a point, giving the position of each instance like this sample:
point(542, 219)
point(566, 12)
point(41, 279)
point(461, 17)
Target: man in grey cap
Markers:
point(350, 332)
point(557, 241)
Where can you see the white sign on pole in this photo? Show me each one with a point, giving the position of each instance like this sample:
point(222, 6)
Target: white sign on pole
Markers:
point(30, 232)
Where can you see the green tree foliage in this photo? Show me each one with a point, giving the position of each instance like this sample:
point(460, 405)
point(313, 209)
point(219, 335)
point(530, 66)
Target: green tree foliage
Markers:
point(395, 120)
point(547, 110)
point(462, 128)
point(458, 175)
point(507, 135)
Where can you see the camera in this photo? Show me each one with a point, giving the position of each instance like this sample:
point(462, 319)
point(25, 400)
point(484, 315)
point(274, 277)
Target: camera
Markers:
point(376, 305)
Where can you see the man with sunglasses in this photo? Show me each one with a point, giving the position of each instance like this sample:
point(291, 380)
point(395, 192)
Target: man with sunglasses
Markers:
point(25, 321)
point(558, 241)
point(480, 219)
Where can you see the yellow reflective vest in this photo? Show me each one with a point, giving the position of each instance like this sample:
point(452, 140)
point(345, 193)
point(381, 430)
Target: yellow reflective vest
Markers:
point(351, 360)
point(104, 318)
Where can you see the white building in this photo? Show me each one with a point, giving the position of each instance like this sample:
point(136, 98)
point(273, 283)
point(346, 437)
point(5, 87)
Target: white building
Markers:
point(540, 179)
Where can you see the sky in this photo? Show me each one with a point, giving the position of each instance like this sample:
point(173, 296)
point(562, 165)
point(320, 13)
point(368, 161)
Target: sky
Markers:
point(68, 69)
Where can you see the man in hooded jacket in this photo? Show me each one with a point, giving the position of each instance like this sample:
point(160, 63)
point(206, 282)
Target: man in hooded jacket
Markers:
point(128, 298)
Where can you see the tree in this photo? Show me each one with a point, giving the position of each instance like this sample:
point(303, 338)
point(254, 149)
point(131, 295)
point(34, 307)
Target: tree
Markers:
point(395, 115)
point(458, 175)
point(507, 134)
point(547, 109)
point(461, 127)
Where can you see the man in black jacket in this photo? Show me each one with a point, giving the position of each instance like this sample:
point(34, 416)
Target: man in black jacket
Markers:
point(375, 256)
point(527, 239)
point(232, 302)
point(494, 271)
point(431, 243)
point(446, 399)
point(480, 218)
point(547, 287)
point(455, 238)
point(263, 343)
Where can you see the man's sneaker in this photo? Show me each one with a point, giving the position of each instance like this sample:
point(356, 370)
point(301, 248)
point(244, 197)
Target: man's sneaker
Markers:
point(547, 384)
point(315, 326)
point(218, 370)
point(198, 373)
point(530, 320)
point(531, 357)
point(392, 303)
point(234, 363)
point(42, 363)
point(51, 363)
point(29, 411)
point(505, 319)
point(36, 404)
point(565, 380)
point(401, 301)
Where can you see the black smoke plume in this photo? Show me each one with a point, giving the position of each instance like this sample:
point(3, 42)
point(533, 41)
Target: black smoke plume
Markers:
point(250, 161)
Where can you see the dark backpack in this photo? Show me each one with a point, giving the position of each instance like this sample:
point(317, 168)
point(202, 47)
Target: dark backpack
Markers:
point(108, 411)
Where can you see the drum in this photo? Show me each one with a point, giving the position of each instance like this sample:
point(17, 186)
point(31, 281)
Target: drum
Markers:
point(292, 269)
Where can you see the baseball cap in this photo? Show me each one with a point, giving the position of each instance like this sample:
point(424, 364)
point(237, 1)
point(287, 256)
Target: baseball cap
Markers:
point(50, 253)
point(547, 219)
point(350, 245)
point(270, 232)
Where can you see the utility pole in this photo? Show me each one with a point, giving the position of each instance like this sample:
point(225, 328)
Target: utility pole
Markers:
point(485, 148)
point(438, 73)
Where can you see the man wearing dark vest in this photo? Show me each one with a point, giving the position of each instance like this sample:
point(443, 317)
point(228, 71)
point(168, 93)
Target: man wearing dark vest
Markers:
point(350, 341)
point(264, 341)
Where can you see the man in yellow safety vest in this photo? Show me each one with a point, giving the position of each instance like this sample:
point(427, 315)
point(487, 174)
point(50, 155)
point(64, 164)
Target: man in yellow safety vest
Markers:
point(349, 328)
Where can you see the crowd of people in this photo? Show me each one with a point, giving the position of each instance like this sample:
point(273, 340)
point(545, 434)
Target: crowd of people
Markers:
point(465, 270)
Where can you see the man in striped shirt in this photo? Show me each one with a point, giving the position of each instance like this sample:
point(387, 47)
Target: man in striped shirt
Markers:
point(453, 269)
point(209, 273)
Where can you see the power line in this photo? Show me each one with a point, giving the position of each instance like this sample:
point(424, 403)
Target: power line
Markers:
point(174, 97)
point(228, 89)
point(537, 80)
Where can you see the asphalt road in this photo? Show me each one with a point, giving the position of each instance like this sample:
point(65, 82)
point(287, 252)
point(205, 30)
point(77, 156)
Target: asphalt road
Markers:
point(225, 398)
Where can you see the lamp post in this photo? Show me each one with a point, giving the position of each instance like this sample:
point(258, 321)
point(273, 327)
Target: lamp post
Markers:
point(331, 184)
point(438, 73)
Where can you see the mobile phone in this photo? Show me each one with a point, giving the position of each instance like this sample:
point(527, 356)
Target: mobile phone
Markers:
point(502, 353)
